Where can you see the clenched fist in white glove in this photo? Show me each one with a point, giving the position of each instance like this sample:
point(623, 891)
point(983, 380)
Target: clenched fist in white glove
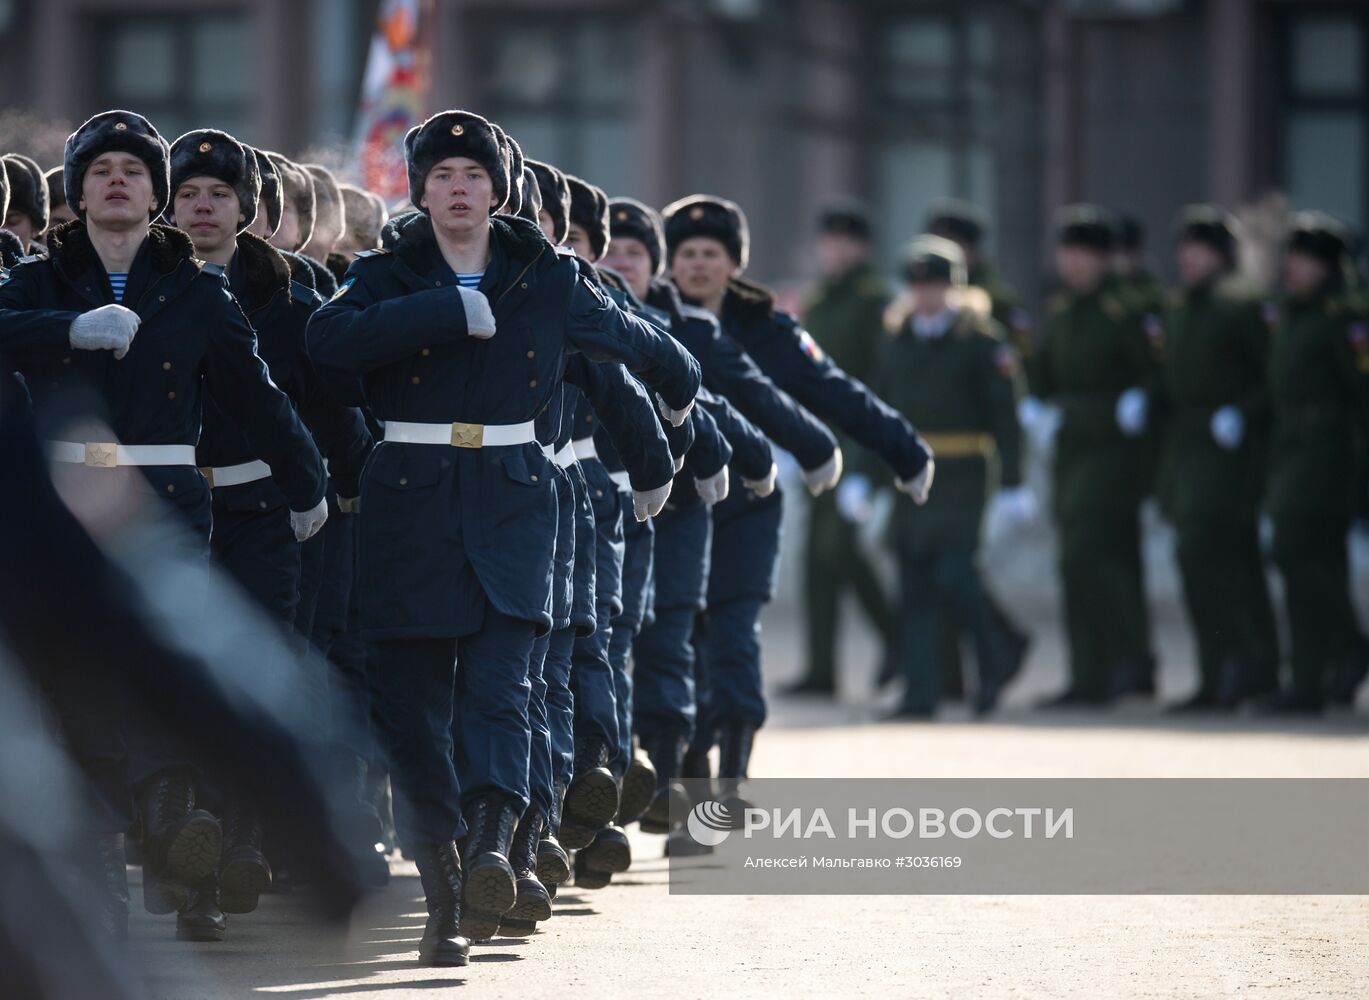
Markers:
point(649, 503)
point(825, 476)
point(109, 328)
point(713, 489)
point(1132, 408)
point(306, 523)
point(479, 316)
point(676, 417)
point(920, 485)
point(763, 487)
point(853, 498)
point(1228, 427)
point(1016, 506)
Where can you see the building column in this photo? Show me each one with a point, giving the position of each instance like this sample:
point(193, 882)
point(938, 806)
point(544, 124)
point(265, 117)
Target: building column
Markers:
point(1231, 51)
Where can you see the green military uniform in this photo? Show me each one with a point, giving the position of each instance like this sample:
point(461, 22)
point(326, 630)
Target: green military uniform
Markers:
point(1011, 315)
point(1216, 356)
point(959, 389)
point(1319, 384)
point(845, 316)
point(1095, 347)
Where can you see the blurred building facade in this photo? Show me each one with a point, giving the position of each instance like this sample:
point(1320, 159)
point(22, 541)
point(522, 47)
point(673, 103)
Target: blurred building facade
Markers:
point(1019, 105)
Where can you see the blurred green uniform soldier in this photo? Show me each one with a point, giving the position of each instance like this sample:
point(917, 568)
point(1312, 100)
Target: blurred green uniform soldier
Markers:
point(1216, 362)
point(1319, 385)
point(1141, 288)
point(949, 367)
point(1098, 363)
point(964, 225)
point(845, 316)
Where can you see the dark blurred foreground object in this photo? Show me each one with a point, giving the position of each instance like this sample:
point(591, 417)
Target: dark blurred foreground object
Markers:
point(84, 631)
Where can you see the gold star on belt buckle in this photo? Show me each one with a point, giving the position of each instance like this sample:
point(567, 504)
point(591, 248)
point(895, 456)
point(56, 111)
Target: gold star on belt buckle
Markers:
point(102, 456)
point(468, 435)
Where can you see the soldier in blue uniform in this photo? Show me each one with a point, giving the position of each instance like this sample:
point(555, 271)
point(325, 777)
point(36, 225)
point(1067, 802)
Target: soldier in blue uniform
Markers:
point(27, 214)
point(215, 185)
point(460, 336)
point(123, 323)
point(708, 243)
point(664, 707)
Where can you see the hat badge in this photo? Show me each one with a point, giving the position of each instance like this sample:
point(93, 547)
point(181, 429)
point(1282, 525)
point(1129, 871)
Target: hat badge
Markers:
point(696, 213)
point(206, 147)
point(120, 126)
point(458, 129)
point(622, 215)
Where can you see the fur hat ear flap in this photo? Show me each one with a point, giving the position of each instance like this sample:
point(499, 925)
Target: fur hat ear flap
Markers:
point(517, 195)
point(116, 132)
point(589, 211)
point(297, 189)
point(28, 190)
point(329, 213)
point(715, 218)
point(456, 133)
point(207, 152)
point(630, 219)
point(270, 191)
point(555, 197)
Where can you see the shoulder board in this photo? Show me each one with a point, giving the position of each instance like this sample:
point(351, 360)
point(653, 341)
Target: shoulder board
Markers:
point(376, 252)
point(564, 251)
point(304, 295)
point(657, 316)
point(4, 274)
point(31, 258)
point(214, 269)
point(785, 319)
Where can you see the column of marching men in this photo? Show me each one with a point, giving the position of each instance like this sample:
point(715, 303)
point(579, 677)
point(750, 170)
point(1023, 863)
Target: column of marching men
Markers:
point(515, 484)
point(504, 459)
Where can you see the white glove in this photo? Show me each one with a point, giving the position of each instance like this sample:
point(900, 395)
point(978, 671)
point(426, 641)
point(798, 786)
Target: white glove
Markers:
point(307, 522)
point(109, 328)
point(1039, 420)
point(713, 489)
point(1228, 427)
point(676, 417)
point(1015, 506)
point(349, 505)
point(853, 498)
point(763, 487)
point(1132, 407)
point(920, 485)
point(648, 503)
point(479, 316)
point(825, 476)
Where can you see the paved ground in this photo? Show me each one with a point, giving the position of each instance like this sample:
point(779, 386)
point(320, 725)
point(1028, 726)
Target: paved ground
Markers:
point(634, 939)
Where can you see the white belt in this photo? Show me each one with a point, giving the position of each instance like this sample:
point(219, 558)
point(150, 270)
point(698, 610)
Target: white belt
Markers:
point(562, 459)
point(460, 435)
point(236, 475)
point(621, 480)
point(584, 449)
point(102, 455)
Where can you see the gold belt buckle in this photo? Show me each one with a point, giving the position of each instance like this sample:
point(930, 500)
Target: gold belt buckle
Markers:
point(100, 455)
point(468, 435)
point(208, 472)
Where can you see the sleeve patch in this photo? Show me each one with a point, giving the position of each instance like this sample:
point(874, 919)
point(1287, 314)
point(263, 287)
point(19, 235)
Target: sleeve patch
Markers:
point(1005, 360)
point(1155, 330)
point(1021, 320)
point(1270, 311)
point(346, 285)
point(810, 347)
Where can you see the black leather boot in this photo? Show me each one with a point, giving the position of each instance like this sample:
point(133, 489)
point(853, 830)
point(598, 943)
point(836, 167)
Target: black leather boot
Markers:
point(610, 853)
point(666, 749)
point(182, 844)
point(112, 875)
point(203, 919)
point(490, 886)
point(532, 901)
point(553, 863)
point(735, 738)
point(639, 787)
point(439, 869)
point(245, 874)
point(592, 798)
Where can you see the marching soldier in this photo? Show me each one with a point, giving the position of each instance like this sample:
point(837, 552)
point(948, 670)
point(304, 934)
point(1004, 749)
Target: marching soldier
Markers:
point(1097, 361)
point(27, 216)
point(1319, 387)
point(707, 243)
point(949, 369)
point(68, 324)
point(1142, 288)
point(1216, 362)
point(330, 221)
point(468, 316)
point(58, 209)
point(845, 316)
